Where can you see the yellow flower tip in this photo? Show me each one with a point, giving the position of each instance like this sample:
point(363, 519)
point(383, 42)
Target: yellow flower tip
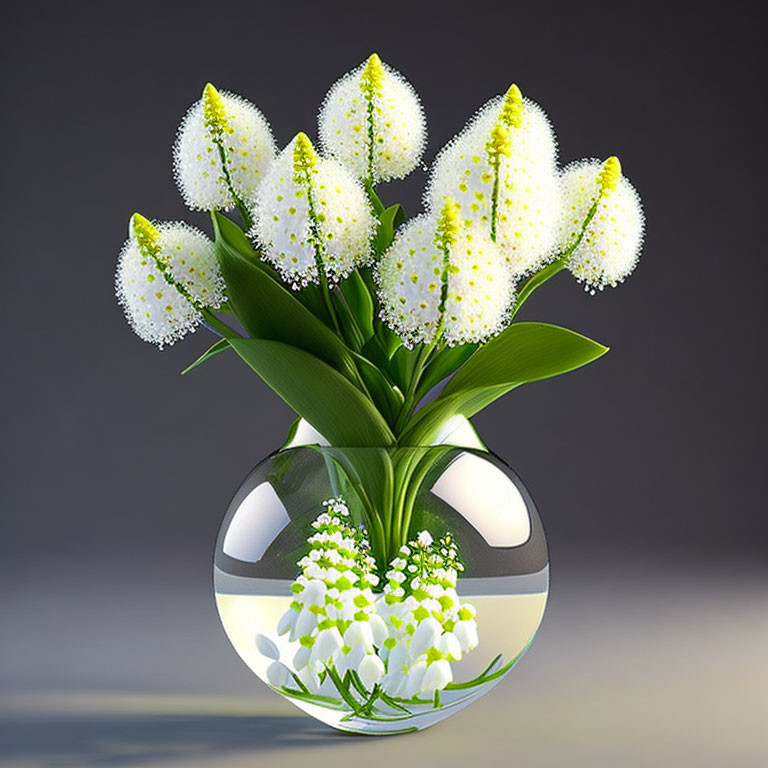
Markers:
point(146, 234)
point(372, 78)
point(609, 175)
point(304, 157)
point(448, 225)
point(499, 143)
point(214, 113)
point(512, 108)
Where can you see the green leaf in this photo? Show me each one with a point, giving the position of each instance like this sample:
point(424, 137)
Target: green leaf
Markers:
point(389, 220)
point(387, 397)
point(360, 302)
point(266, 309)
point(524, 352)
point(222, 345)
point(317, 392)
point(444, 364)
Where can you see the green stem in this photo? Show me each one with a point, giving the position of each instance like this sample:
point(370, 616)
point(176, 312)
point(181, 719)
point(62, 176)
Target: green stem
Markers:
point(318, 247)
point(549, 271)
point(371, 138)
point(242, 209)
point(219, 325)
point(495, 198)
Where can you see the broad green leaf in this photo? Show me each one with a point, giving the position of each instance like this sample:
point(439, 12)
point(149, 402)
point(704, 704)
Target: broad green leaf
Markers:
point(317, 392)
point(523, 353)
point(444, 364)
point(387, 397)
point(360, 302)
point(222, 345)
point(267, 310)
point(390, 219)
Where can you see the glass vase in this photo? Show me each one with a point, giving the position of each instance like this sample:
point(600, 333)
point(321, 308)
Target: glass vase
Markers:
point(381, 589)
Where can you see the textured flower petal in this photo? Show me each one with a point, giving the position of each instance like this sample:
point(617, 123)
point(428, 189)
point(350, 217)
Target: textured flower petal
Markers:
point(249, 148)
point(610, 248)
point(399, 128)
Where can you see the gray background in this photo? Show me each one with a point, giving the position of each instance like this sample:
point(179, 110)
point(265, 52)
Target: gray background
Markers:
point(648, 466)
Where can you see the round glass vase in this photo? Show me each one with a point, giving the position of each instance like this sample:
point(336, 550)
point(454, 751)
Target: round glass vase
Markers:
point(311, 635)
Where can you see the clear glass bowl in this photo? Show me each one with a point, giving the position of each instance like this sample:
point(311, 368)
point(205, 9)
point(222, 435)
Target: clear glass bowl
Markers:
point(466, 493)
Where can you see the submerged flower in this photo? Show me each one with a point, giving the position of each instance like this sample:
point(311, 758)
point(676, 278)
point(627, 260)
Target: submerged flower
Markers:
point(221, 125)
point(166, 274)
point(311, 214)
point(372, 121)
point(442, 277)
point(422, 610)
point(501, 171)
point(332, 613)
point(610, 245)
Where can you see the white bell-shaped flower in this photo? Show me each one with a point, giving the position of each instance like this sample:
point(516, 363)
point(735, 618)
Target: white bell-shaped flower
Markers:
point(310, 215)
point(371, 670)
point(425, 636)
point(466, 633)
point(502, 172)
point(431, 282)
point(373, 122)
point(609, 248)
point(437, 676)
point(278, 674)
point(221, 125)
point(166, 274)
point(359, 633)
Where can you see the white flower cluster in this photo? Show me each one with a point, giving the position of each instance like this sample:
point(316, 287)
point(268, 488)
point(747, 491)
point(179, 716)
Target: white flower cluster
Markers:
point(311, 209)
point(610, 247)
point(402, 638)
point(228, 121)
point(372, 121)
point(332, 614)
point(465, 293)
point(165, 274)
point(428, 626)
point(503, 166)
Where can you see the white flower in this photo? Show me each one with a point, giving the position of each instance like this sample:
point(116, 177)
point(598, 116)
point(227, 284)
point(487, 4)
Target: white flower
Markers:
point(359, 633)
point(479, 288)
point(374, 101)
point(425, 539)
point(166, 274)
point(437, 676)
point(610, 247)
point(371, 670)
point(226, 120)
point(466, 634)
point(310, 210)
point(509, 142)
point(287, 621)
point(301, 657)
point(327, 643)
point(425, 636)
point(448, 644)
point(414, 679)
point(349, 659)
point(378, 629)
point(278, 674)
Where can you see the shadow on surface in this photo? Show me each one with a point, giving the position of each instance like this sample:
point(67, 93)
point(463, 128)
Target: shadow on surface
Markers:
point(134, 740)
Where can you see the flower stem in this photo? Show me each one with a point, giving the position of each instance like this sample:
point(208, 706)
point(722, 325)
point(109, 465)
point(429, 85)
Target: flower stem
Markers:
point(242, 209)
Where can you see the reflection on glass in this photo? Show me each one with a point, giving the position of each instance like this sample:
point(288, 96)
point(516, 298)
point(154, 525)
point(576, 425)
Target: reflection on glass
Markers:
point(487, 498)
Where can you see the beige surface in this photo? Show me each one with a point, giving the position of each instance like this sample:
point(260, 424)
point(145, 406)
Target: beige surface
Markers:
point(667, 675)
